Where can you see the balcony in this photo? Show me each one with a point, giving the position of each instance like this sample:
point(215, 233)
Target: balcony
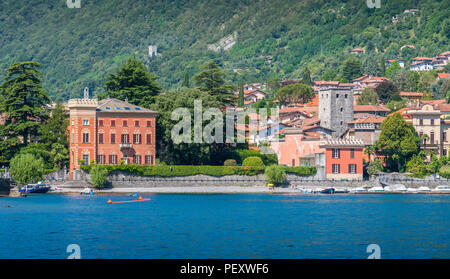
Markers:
point(126, 146)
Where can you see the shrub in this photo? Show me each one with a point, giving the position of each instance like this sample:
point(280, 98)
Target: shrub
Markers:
point(375, 166)
point(99, 176)
point(241, 154)
point(301, 170)
point(230, 162)
point(26, 168)
point(275, 174)
point(445, 171)
point(253, 162)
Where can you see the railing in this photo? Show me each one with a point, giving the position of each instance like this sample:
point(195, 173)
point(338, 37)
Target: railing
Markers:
point(126, 146)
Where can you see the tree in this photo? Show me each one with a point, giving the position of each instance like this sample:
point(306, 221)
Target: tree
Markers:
point(186, 82)
point(99, 176)
point(241, 96)
point(275, 174)
point(374, 167)
point(387, 91)
point(133, 82)
point(274, 84)
point(295, 93)
point(398, 141)
point(26, 168)
point(391, 70)
point(22, 102)
point(351, 68)
point(371, 66)
point(368, 97)
point(370, 150)
point(60, 155)
point(211, 80)
point(328, 75)
point(306, 78)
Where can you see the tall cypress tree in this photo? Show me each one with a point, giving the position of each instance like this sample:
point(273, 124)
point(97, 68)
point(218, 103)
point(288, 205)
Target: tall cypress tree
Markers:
point(23, 103)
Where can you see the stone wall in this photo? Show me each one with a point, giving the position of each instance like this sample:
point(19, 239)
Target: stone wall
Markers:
point(4, 187)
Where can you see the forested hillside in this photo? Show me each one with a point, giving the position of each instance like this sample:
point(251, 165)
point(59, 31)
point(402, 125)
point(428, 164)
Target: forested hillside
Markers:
point(274, 38)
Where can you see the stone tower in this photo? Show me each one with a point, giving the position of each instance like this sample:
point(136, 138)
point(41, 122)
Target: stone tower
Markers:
point(86, 93)
point(336, 109)
point(152, 51)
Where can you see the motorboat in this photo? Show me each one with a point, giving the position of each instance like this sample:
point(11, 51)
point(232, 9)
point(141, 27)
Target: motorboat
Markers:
point(87, 191)
point(423, 189)
point(387, 188)
point(340, 191)
point(411, 190)
point(376, 189)
point(442, 188)
point(398, 188)
point(38, 188)
point(328, 191)
point(359, 190)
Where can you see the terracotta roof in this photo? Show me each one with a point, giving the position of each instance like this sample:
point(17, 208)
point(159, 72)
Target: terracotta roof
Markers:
point(411, 94)
point(446, 53)
point(359, 108)
point(370, 119)
point(444, 107)
point(422, 58)
point(443, 75)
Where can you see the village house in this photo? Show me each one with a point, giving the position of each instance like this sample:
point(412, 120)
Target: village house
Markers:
point(357, 51)
point(379, 110)
point(421, 64)
point(369, 81)
point(442, 76)
point(412, 95)
point(367, 128)
point(344, 158)
point(110, 131)
point(335, 109)
point(400, 62)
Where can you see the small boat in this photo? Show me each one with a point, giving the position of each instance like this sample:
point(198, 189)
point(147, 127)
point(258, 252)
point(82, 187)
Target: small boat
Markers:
point(306, 190)
point(423, 189)
point(387, 188)
point(442, 188)
point(399, 188)
point(87, 191)
point(411, 190)
point(359, 190)
point(376, 189)
point(341, 191)
point(328, 191)
point(38, 188)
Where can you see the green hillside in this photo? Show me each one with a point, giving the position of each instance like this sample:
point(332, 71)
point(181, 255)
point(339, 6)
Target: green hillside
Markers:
point(79, 47)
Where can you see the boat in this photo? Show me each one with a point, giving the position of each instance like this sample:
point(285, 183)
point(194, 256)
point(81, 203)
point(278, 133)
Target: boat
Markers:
point(341, 191)
point(398, 188)
point(387, 188)
point(328, 191)
point(87, 191)
point(38, 188)
point(376, 189)
point(411, 190)
point(423, 189)
point(359, 190)
point(442, 188)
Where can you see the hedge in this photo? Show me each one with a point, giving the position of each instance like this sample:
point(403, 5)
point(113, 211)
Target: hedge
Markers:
point(169, 171)
point(301, 170)
point(253, 162)
point(445, 172)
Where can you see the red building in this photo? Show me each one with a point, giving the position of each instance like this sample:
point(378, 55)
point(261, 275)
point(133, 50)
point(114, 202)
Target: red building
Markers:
point(344, 159)
point(110, 131)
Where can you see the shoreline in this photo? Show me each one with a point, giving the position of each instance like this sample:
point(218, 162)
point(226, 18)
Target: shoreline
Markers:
point(216, 190)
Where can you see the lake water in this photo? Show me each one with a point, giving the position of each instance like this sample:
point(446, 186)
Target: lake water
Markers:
point(226, 226)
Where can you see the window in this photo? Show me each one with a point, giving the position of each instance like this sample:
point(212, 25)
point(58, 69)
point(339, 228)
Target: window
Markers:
point(101, 159)
point(73, 137)
point(149, 123)
point(85, 122)
point(336, 168)
point(125, 138)
point(421, 122)
point(85, 137)
point(444, 136)
point(346, 96)
point(113, 123)
point(73, 123)
point(100, 138)
point(352, 153)
point(125, 123)
point(444, 152)
point(342, 109)
point(113, 138)
point(432, 122)
point(148, 159)
point(137, 159)
point(432, 137)
point(337, 96)
point(113, 159)
point(336, 153)
point(136, 123)
point(136, 138)
point(100, 123)
point(293, 162)
point(86, 159)
point(149, 138)
point(352, 168)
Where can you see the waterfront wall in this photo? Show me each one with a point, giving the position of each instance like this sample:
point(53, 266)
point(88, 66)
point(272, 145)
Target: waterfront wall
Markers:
point(4, 187)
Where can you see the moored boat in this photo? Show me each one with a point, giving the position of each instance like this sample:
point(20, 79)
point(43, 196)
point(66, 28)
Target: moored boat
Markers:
point(328, 191)
point(376, 189)
point(38, 188)
point(87, 191)
point(442, 188)
point(423, 189)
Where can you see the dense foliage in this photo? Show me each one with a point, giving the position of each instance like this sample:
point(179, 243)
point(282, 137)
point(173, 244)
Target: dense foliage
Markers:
point(275, 174)
point(99, 176)
point(26, 168)
point(253, 162)
point(80, 47)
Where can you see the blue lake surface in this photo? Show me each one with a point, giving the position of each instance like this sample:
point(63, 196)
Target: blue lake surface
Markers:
point(226, 226)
